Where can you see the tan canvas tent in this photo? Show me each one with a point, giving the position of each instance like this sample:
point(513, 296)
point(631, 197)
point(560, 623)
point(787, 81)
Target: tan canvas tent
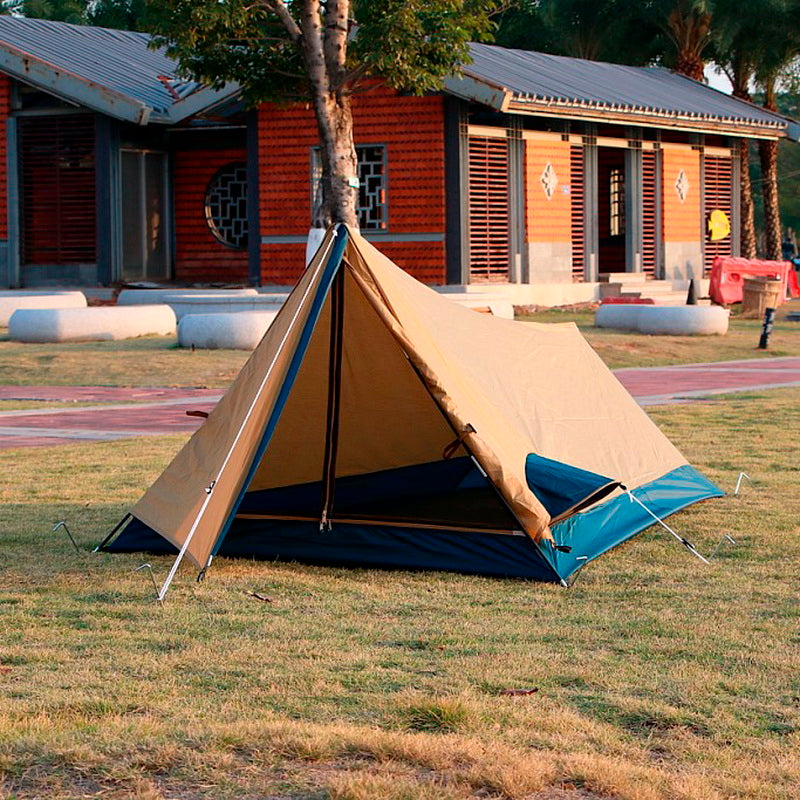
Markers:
point(379, 423)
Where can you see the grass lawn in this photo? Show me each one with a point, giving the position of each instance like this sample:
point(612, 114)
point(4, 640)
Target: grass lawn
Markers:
point(158, 361)
point(626, 349)
point(656, 676)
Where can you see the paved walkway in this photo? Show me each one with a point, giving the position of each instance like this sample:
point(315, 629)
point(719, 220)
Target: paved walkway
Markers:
point(121, 413)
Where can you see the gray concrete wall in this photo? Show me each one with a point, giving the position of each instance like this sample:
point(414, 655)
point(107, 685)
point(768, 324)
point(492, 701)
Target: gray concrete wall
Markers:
point(549, 262)
point(683, 260)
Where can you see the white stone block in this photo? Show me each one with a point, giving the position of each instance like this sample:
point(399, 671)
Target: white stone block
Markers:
point(222, 303)
point(240, 331)
point(664, 320)
point(102, 323)
point(130, 297)
point(11, 300)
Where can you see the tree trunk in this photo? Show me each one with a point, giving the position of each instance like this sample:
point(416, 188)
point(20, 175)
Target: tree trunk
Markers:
point(747, 228)
point(339, 181)
point(324, 51)
point(691, 65)
point(768, 151)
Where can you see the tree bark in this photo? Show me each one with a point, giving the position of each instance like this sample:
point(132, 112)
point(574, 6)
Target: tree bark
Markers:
point(747, 227)
point(747, 230)
point(768, 151)
point(322, 39)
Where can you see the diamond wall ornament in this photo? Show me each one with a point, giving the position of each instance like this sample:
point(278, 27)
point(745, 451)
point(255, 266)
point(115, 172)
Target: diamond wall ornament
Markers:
point(682, 185)
point(549, 181)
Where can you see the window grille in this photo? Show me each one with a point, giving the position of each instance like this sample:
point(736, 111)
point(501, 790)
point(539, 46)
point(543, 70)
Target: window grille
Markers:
point(616, 185)
point(577, 169)
point(226, 205)
point(372, 207)
point(649, 214)
point(718, 194)
point(489, 209)
point(57, 173)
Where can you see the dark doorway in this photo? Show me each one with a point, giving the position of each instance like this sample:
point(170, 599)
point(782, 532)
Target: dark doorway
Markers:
point(145, 240)
point(611, 208)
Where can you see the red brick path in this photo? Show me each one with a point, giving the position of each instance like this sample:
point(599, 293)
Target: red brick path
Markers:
point(160, 411)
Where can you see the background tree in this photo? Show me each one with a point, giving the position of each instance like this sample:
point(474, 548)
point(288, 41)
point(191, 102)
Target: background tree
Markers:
point(780, 49)
point(322, 51)
point(619, 31)
point(688, 27)
point(736, 49)
point(128, 15)
point(120, 14)
point(60, 10)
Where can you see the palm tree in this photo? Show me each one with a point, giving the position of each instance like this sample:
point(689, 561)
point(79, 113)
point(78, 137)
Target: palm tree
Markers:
point(688, 27)
point(736, 51)
point(781, 48)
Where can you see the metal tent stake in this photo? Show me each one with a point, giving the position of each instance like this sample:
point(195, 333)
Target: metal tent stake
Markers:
point(149, 568)
point(63, 525)
point(725, 538)
point(739, 482)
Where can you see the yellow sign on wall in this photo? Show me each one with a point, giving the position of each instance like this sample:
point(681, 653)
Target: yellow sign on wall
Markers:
point(719, 226)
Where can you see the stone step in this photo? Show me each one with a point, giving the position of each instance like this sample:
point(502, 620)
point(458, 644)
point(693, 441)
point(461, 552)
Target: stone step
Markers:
point(622, 277)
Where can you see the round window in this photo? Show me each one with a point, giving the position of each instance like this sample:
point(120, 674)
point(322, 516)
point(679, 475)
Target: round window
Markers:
point(226, 205)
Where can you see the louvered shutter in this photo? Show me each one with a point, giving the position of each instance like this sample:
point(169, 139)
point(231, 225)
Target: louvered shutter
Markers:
point(489, 209)
point(718, 193)
point(57, 173)
point(649, 223)
point(576, 168)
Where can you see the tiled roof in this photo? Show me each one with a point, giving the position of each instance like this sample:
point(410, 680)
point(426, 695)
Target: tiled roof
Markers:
point(119, 63)
point(541, 82)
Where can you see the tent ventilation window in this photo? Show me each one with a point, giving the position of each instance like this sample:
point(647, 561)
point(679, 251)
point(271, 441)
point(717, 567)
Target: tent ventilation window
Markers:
point(226, 206)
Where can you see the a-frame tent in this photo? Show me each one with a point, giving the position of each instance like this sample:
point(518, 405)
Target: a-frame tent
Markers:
point(380, 424)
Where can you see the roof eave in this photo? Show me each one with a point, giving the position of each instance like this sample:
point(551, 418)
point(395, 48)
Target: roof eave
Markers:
point(72, 87)
point(591, 112)
point(201, 100)
point(480, 91)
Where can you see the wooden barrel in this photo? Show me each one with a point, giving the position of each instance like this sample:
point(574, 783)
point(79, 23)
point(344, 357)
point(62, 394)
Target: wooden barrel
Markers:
point(759, 294)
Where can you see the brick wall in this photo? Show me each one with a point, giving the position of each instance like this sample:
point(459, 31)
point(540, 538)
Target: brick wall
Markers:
point(681, 219)
point(5, 109)
point(547, 220)
point(412, 128)
point(199, 256)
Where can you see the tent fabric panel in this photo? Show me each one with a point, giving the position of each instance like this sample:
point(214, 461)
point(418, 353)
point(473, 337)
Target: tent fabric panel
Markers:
point(387, 419)
point(526, 388)
point(561, 487)
point(173, 502)
point(296, 451)
point(495, 442)
point(320, 298)
point(364, 546)
point(596, 531)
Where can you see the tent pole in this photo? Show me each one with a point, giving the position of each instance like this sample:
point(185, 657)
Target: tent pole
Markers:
point(334, 401)
point(117, 527)
point(210, 488)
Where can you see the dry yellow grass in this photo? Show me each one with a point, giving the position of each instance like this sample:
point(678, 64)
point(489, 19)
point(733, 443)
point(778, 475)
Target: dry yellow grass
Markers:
point(658, 677)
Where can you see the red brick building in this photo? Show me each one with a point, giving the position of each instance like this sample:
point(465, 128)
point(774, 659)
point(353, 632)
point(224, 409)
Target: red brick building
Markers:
point(532, 172)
